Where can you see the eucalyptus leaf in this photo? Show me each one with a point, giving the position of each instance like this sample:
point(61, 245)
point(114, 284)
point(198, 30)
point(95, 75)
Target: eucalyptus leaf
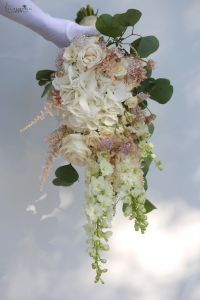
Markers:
point(67, 173)
point(143, 104)
point(145, 45)
point(42, 82)
point(162, 91)
point(44, 75)
point(149, 206)
point(151, 128)
point(109, 26)
point(60, 182)
point(129, 18)
point(148, 71)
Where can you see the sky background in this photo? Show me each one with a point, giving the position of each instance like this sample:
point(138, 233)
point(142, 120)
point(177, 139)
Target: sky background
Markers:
point(42, 253)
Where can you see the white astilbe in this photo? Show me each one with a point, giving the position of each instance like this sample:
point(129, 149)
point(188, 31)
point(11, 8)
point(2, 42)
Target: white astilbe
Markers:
point(99, 210)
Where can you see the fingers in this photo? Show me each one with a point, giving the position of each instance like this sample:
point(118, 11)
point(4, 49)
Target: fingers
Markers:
point(90, 30)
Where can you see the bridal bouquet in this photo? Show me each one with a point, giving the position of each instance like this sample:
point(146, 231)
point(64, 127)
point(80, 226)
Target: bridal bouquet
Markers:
point(100, 94)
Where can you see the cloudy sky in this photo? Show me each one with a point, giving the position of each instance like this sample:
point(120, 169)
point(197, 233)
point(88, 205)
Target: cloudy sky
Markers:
point(42, 240)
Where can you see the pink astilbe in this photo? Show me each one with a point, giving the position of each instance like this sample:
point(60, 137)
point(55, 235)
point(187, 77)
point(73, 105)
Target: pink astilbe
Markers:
point(47, 110)
point(142, 96)
point(54, 140)
point(138, 113)
point(125, 147)
point(59, 60)
point(108, 63)
point(105, 144)
point(136, 71)
point(55, 98)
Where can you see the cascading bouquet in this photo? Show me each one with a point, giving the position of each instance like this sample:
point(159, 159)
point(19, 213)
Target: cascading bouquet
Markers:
point(100, 94)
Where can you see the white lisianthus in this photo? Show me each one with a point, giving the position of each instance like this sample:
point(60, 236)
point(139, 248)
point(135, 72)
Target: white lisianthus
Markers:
point(91, 55)
point(74, 149)
point(120, 68)
point(89, 21)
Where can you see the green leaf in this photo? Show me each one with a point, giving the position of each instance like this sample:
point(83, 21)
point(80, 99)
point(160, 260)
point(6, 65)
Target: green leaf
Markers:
point(42, 82)
point(151, 128)
point(143, 104)
point(145, 184)
point(159, 89)
point(129, 18)
point(162, 91)
point(46, 89)
point(44, 75)
point(149, 71)
point(109, 26)
point(149, 206)
point(146, 164)
point(145, 45)
point(67, 173)
point(124, 206)
point(60, 182)
point(147, 85)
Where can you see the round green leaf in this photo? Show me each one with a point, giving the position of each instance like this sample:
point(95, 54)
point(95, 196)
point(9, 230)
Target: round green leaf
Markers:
point(145, 45)
point(60, 182)
point(149, 206)
point(44, 75)
point(67, 173)
point(147, 85)
point(151, 128)
point(108, 25)
point(129, 18)
point(42, 82)
point(162, 91)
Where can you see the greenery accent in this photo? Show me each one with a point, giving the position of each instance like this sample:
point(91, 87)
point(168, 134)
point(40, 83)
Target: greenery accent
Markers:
point(145, 46)
point(149, 206)
point(65, 176)
point(84, 12)
point(44, 78)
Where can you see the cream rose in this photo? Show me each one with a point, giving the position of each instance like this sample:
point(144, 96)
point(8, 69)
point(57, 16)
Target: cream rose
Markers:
point(89, 56)
point(70, 54)
point(131, 102)
point(120, 68)
point(74, 149)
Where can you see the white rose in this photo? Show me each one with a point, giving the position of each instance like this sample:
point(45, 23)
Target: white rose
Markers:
point(120, 68)
point(89, 56)
point(70, 54)
point(89, 21)
point(75, 150)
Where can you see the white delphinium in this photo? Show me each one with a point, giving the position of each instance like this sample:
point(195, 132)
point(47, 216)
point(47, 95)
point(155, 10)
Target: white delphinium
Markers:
point(130, 184)
point(99, 210)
